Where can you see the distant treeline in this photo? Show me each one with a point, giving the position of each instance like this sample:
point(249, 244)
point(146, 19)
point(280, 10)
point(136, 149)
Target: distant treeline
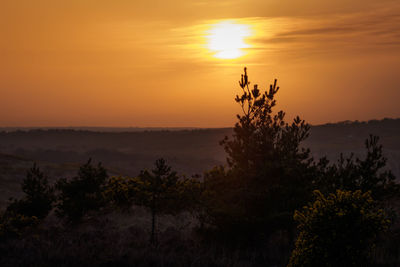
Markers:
point(394, 121)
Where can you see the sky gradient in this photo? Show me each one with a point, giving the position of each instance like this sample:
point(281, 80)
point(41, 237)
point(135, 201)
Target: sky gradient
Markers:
point(148, 63)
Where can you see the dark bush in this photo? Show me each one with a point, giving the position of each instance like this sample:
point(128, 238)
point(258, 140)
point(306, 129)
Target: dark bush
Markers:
point(120, 192)
point(338, 230)
point(39, 195)
point(82, 193)
point(13, 225)
point(353, 173)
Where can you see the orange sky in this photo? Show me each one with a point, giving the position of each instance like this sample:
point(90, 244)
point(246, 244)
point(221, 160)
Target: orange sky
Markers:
point(147, 63)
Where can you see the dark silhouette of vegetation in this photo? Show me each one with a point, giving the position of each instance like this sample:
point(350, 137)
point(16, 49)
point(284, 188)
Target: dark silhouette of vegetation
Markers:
point(163, 192)
point(366, 174)
point(39, 195)
point(268, 174)
point(120, 192)
point(338, 230)
point(82, 193)
point(13, 225)
point(158, 187)
point(25, 213)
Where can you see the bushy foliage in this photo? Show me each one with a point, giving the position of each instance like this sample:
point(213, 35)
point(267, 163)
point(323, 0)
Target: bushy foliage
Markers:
point(12, 225)
point(268, 173)
point(39, 195)
point(338, 230)
point(189, 192)
point(365, 174)
point(82, 193)
point(120, 191)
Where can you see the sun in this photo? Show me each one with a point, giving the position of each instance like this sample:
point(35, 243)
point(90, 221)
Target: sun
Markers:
point(227, 39)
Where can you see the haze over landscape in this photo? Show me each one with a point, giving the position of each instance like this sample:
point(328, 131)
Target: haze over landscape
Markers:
point(176, 63)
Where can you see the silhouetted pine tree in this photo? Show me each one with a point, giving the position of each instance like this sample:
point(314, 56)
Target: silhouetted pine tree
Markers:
point(158, 191)
point(82, 193)
point(39, 195)
point(268, 175)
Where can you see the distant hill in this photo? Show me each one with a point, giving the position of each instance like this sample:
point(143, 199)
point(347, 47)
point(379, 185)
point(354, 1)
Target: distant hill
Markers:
point(98, 129)
point(346, 137)
point(190, 151)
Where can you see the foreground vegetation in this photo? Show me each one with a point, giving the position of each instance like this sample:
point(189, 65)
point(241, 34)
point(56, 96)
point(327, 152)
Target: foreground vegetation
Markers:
point(271, 204)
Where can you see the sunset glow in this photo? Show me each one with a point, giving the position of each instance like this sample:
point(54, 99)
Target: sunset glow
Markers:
point(176, 63)
point(227, 40)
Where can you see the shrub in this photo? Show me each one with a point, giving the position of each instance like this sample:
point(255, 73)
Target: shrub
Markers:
point(120, 191)
point(365, 174)
point(39, 195)
point(338, 230)
point(83, 193)
point(13, 224)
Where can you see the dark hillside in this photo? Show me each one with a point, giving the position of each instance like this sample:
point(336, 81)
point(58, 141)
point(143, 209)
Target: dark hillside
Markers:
point(345, 137)
point(60, 152)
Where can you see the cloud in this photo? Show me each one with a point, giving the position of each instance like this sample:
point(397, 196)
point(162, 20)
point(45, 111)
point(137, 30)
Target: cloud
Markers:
point(362, 31)
point(319, 31)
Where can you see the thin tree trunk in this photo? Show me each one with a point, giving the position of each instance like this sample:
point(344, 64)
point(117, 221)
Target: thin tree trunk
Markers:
point(153, 239)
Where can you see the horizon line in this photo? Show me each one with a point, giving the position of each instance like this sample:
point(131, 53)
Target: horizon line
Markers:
point(175, 127)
